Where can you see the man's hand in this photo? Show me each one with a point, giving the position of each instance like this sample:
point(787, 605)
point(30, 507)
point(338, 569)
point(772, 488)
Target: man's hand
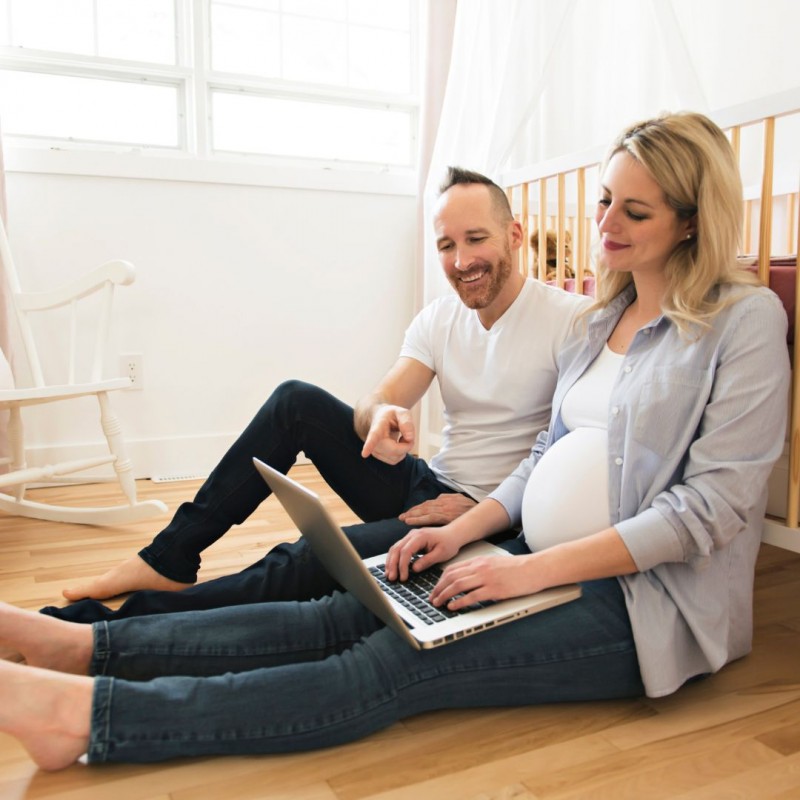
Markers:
point(484, 578)
point(445, 508)
point(434, 544)
point(391, 435)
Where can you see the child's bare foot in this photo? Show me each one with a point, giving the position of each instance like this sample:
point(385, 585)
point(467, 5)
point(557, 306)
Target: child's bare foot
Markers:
point(48, 712)
point(129, 576)
point(45, 641)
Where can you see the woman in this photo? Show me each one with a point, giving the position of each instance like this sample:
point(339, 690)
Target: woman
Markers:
point(668, 416)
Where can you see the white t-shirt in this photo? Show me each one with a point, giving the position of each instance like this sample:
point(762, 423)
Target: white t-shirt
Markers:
point(566, 496)
point(496, 385)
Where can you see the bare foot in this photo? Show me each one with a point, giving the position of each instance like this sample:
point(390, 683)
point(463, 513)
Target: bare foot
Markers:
point(45, 641)
point(129, 576)
point(48, 712)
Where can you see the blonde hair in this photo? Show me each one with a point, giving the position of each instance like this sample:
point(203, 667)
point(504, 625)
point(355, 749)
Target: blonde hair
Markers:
point(693, 162)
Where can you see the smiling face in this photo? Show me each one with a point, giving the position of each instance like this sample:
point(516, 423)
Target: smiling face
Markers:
point(477, 250)
point(638, 229)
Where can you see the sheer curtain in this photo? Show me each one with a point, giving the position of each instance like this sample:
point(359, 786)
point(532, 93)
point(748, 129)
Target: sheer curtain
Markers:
point(6, 380)
point(530, 80)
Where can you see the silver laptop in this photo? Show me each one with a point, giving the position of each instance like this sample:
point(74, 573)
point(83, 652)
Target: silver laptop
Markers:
point(402, 606)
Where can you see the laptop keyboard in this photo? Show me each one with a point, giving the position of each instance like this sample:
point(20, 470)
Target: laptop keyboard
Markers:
point(414, 592)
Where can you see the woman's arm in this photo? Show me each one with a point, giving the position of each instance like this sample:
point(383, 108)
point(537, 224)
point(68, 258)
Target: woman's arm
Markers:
point(724, 455)
point(601, 555)
point(441, 544)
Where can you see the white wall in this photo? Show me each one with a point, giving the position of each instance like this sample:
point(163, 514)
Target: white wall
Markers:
point(238, 288)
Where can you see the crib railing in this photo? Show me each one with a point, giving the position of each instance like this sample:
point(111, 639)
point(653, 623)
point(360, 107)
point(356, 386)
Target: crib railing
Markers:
point(557, 196)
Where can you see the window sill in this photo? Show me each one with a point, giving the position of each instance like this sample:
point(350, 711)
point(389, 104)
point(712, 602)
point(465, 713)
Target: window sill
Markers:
point(174, 166)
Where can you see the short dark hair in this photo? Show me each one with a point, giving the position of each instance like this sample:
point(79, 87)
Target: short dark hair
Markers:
point(459, 176)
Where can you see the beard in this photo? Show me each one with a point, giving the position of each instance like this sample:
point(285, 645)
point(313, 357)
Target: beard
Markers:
point(497, 276)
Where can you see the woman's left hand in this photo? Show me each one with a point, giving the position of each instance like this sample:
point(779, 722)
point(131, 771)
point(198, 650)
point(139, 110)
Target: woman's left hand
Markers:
point(484, 578)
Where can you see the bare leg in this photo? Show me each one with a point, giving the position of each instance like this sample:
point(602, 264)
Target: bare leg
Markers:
point(46, 641)
point(129, 576)
point(48, 712)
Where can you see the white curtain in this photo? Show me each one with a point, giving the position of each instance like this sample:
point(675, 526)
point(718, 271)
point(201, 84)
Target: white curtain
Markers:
point(6, 380)
point(530, 80)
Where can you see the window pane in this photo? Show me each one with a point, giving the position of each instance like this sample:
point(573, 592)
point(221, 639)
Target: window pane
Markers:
point(244, 40)
point(264, 5)
point(314, 51)
point(380, 59)
point(143, 30)
point(66, 25)
point(321, 9)
point(250, 124)
point(394, 14)
point(351, 43)
point(86, 109)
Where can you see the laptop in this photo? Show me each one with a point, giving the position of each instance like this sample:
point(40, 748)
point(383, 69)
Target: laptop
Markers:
point(404, 607)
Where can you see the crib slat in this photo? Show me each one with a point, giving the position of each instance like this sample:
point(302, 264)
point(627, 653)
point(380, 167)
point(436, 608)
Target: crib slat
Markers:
point(542, 266)
point(580, 249)
point(765, 227)
point(793, 499)
point(560, 231)
point(525, 236)
point(747, 237)
point(736, 140)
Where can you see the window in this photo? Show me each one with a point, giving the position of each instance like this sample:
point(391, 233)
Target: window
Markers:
point(333, 81)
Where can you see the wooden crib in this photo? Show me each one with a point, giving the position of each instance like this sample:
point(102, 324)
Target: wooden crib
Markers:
point(559, 195)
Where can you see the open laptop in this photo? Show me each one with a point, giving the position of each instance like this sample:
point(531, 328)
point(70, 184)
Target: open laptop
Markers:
point(402, 606)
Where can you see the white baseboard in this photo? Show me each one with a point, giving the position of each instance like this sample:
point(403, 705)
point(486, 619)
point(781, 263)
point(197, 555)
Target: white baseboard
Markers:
point(777, 533)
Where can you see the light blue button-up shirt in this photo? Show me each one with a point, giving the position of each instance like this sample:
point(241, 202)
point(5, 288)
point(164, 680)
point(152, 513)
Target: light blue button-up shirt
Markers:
point(694, 428)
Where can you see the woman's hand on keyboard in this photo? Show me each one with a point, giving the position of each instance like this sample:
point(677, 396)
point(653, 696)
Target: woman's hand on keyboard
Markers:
point(433, 546)
point(483, 578)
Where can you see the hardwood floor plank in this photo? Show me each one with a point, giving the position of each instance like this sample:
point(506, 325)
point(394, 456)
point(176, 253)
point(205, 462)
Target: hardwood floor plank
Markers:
point(735, 734)
point(772, 781)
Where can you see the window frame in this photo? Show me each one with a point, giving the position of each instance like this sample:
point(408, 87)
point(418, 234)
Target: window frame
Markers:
point(193, 158)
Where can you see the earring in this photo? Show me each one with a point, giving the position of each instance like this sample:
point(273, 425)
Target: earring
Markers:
point(688, 235)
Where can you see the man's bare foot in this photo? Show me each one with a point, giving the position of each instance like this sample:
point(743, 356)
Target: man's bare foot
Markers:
point(129, 576)
point(45, 641)
point(48, 712)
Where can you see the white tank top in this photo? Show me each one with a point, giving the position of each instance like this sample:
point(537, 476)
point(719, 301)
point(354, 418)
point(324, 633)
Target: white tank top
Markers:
point(567, 493)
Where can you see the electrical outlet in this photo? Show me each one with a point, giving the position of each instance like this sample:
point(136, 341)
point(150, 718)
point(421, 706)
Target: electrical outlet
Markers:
point(131, 366)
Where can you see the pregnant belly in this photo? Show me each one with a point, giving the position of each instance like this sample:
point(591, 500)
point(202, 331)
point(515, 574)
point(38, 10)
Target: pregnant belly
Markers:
point(566, 496)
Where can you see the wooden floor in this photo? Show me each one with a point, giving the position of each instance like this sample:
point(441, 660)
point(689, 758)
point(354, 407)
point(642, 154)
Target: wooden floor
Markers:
point(735, 735)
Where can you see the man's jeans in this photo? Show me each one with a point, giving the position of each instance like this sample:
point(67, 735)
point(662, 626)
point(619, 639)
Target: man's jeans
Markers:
point(297, 417)
point(283, 677)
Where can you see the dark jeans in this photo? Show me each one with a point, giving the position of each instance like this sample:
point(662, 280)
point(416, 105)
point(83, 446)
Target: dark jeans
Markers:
point(297, 417)
point(285, 677)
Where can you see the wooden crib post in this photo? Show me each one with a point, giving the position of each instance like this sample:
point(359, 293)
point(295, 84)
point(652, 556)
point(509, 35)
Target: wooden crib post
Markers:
point(765, 228)
point(561, 248)
point(542, 266)
point(525, 235)
point(793, 489)
point(580, 249)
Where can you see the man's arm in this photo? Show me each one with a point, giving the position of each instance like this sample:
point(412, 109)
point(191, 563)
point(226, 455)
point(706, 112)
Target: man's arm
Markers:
point(383, 417)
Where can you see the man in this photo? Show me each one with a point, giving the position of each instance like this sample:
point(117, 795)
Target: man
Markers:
point(493, 349)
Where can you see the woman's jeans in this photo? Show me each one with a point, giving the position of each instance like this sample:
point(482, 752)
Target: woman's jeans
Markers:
point(297, 417)
point(283, 677)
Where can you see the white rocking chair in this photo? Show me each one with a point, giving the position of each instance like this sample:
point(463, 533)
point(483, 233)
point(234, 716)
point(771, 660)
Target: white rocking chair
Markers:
point(14, 482)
